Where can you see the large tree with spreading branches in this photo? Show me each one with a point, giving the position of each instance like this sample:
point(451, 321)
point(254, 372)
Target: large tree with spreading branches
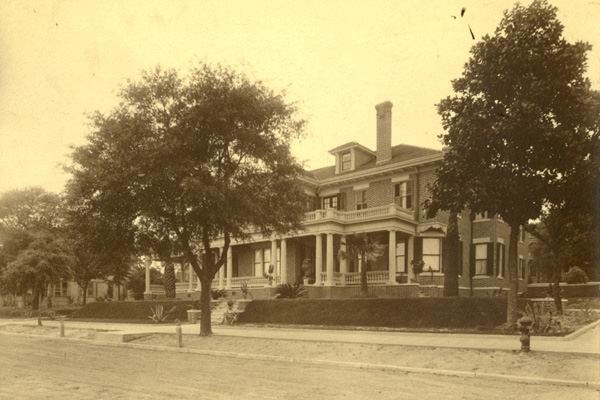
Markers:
point(199, 159)
point(519, 123)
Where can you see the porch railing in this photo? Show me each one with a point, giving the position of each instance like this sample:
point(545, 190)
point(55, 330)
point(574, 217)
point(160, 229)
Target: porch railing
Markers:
point(389, 210)
point(353, 278)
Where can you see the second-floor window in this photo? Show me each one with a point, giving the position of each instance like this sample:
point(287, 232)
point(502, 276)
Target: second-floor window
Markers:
point(360, 198)
point(331, 202)
point(403, 194)
point(346, 161)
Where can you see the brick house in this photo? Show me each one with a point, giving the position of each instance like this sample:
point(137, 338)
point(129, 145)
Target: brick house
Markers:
point(380, 193)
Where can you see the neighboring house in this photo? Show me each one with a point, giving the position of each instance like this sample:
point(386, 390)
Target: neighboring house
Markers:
point(380, 192)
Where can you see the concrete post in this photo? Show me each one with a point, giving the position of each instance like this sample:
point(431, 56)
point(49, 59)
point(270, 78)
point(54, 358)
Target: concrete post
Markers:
point(318, 259)
point(284, 277)
point(221, 272)
point(147, 263)
point(392, 258)
point(330, 259)
point(229, 266)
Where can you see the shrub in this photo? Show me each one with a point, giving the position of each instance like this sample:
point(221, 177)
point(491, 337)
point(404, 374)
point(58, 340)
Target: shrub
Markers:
point(425, 312)
point(158, 313)
point(576, 275)
point(287, 291)
point(216, 294)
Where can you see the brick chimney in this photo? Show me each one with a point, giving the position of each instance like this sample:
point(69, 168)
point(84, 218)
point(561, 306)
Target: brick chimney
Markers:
point(384, 131)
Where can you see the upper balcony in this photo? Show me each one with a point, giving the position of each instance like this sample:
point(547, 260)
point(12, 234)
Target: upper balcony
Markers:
point(367, 214)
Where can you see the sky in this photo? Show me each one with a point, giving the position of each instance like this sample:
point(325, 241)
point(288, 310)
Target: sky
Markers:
point(62, 60)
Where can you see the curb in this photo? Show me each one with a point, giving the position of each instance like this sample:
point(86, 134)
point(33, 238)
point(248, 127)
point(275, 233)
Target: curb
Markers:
point(581, 331)
point(331, 363)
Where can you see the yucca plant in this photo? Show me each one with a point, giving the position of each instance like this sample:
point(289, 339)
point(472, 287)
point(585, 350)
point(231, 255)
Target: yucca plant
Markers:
point(159, 315)
point(287, 291)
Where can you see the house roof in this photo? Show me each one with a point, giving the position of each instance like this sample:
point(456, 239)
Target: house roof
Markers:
point(400, 153)
point(350, 145)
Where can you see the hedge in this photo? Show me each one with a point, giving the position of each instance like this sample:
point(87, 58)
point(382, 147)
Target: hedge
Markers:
point(134, 310)
point(590, 289)
point(428, 312)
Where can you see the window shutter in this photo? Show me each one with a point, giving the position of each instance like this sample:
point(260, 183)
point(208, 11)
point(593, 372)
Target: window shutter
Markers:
point(342, 201)
point(490, 259)
point(444, 258)
point(497, 263)
point(472, 260)
point(317, 203)
point(460, 257)
point(418, 248)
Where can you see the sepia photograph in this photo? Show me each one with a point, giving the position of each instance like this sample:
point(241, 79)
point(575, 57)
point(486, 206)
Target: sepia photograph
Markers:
point(270, 199)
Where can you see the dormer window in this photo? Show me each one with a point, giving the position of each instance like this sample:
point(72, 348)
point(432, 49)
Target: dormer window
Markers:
point(346, 161)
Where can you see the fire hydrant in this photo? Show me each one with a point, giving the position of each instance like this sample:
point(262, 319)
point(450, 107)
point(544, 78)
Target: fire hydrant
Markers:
point(524, 324)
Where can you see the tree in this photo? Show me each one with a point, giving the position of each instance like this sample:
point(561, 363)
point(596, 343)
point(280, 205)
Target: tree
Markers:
point(44, 261)
point(518, 123)
point(33, 252)
point(102, 248)
point(204, 158)
point(363, 247)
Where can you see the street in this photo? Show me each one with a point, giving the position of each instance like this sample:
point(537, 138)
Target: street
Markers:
point(32, 368)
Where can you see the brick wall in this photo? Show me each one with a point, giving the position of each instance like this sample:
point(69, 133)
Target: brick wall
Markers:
point(380, 193)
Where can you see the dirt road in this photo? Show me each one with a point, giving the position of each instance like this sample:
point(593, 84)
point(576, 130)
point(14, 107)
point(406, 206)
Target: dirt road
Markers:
point(32, 368)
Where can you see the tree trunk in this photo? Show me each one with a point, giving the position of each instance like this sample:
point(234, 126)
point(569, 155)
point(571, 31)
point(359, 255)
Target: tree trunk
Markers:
point(452, 267)
point(555, 292)
point(84, 288)
point(169, 280)
point(205, 323)
point(364, 284)
point(35, 298)
point(513, 279)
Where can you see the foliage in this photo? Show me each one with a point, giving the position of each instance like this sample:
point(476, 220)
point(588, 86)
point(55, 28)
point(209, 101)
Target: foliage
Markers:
point(133, 310)
point(269, 274)
point(217, 294)
point(185, 156)
point(287, 291)
point(137, 280)
point(576, 275)
point(518, 124)
point(368, 249)
point(158, 313)
point(244, 289)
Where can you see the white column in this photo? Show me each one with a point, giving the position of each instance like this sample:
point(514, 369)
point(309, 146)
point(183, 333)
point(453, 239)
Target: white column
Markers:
point(318, 259)
point(273, 256)
point(229, 266)
point(392, 258)
point(221, 272)
point(343, 259)
point(147, 263)
point(283, 261)
point(190, 278)
point(410, 254)
point(330, 259)
point(198, 284)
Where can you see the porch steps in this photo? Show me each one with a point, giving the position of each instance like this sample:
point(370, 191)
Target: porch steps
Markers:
point(220, 308)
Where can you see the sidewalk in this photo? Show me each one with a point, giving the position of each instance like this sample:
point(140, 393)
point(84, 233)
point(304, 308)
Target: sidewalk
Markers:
point(586, 340)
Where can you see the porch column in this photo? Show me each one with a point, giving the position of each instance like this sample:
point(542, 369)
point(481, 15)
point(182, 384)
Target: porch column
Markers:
point(343, 259)
point(273, 257)
point(190, 278)
point(147, 263)
point(330, 259)
point(229, 266)
point(318, 259)
point(221, 272)
point(392, 258)
point(198, 284)
point(283, 261)
point(410, 254)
